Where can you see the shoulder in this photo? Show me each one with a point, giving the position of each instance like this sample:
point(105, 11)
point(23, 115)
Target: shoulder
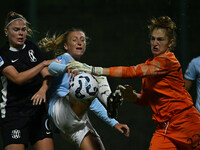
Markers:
point(31, 45)
point(64, 57)
point(67, 55)
point(4, 48)
point(196, 60)
point(168, 56)
point(194, 64)
point(29, 42)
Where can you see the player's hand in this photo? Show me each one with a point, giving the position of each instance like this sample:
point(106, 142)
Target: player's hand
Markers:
point(75, 66)
point(123, 128)
point(128, 93)
point(39, 97)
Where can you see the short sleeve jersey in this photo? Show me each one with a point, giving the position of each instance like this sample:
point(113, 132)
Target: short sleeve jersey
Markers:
point(16, 98)
point(193, 73)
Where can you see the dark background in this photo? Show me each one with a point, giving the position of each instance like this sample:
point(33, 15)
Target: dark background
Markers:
point(118, 36)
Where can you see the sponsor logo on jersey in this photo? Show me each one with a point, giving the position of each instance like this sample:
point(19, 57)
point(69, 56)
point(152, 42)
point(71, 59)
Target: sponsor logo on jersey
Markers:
point(14, 60)
point(31, 55)
point(16, 134)
point(47, 126)
point(1, 61)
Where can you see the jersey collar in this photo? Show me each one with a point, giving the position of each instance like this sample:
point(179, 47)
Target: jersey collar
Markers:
point(16, 50)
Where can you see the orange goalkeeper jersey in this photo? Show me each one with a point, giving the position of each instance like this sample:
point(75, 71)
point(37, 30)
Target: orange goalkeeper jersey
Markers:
point(162, 85)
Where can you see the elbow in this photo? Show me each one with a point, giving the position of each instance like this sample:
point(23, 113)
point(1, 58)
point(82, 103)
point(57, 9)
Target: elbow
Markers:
point(19, 81)
point(51, 69)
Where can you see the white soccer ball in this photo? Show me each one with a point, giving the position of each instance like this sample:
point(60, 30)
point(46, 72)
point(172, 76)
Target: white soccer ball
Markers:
point(84, 87)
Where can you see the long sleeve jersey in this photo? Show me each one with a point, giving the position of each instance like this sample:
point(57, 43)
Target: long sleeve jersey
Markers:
point(60, 88)
point(162, 85)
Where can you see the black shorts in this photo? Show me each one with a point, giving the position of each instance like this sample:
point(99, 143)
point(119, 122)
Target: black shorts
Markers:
point(26, 129)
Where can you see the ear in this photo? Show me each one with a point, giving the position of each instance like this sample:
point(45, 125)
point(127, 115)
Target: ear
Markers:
point(171, 43)
point(65, 46)
point(6, 31)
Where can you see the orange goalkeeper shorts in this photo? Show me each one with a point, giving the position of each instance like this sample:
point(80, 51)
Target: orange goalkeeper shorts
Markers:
point(182, 132)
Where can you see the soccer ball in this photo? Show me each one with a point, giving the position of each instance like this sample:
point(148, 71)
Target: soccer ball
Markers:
point(84, 87)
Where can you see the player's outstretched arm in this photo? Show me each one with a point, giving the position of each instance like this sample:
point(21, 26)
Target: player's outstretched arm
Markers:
point(76, 66)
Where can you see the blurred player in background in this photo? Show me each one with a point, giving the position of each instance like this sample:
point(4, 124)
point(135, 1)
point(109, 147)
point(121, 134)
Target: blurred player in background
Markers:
point(177, 120)
point(193, 73)
point(68, 114)
point(24, 77)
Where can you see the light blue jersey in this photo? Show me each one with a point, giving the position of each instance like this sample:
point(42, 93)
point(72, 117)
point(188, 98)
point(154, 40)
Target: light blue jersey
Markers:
point(193, 73)
point(60, 88)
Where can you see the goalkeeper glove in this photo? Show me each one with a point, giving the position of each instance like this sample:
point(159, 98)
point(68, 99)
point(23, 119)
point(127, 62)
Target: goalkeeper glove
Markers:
point(76, 66)
point(128, 93)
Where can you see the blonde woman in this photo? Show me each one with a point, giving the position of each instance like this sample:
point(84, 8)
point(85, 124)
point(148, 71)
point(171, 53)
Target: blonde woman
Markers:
point(68, 114)
point(24, 77)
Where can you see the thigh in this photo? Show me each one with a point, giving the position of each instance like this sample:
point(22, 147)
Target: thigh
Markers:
point(15, 132)
point(161, 142)
point(44, 144)
point(64, 117)
point(15, 147)
point(186, 129)
point(91, 142)
point(73, 128)
point(40, 127)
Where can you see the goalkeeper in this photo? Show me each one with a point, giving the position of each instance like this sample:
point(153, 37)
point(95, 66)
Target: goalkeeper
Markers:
point(177, 120)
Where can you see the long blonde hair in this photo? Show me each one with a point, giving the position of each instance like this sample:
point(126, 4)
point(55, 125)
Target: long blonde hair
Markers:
point(56, 43)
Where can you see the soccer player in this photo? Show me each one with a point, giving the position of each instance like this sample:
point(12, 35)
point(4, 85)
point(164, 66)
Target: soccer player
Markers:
point(192, 73)
point(177, 120)
point(24, 77)
point(68, 114)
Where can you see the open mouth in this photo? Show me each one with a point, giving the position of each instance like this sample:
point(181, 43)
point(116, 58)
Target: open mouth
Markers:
point(20, 39)
point(79, 48)
point(155, 49)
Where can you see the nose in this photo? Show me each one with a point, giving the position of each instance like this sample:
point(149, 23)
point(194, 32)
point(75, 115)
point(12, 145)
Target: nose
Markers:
point(155, 42)
point(79, 42)
point(21, 32)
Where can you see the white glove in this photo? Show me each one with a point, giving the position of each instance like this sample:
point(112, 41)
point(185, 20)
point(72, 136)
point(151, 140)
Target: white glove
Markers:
point(104, 89)
point(76, 66)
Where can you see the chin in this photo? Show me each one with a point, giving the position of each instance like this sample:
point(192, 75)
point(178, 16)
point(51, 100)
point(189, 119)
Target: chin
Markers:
point(156, 54)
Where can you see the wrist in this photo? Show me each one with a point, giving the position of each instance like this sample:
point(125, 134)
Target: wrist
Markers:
point(97, 70)
point(44, 64)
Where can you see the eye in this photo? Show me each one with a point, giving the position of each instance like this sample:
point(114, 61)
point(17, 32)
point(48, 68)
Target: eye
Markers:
point(152, 38)
point(74, 39)
point(160, 39)
point(16, 29)
point(83, 40)
point(24, 29)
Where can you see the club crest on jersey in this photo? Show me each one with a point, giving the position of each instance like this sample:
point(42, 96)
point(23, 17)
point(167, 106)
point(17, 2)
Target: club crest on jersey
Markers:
point(1, 61)
point(31, 55)
point(59, 58)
